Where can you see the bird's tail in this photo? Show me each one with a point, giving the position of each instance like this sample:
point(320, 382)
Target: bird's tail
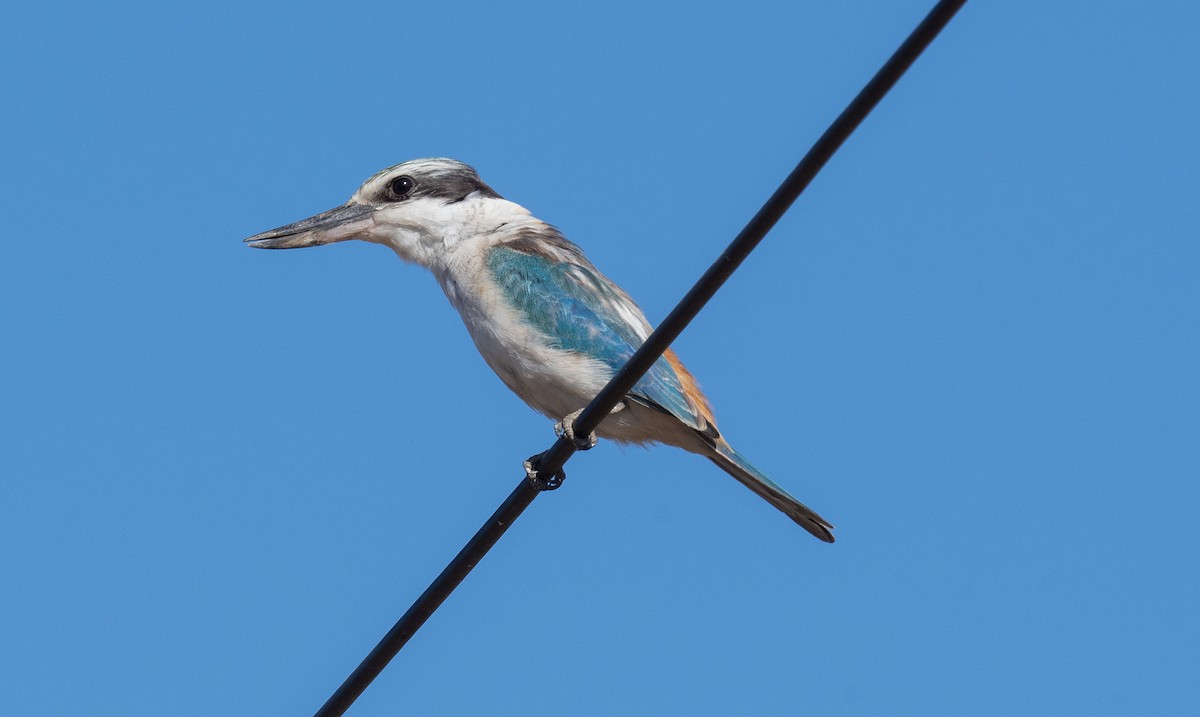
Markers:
point(737, 466)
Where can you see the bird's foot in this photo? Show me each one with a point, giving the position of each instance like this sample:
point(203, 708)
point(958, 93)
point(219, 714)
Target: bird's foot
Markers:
point(566, 429)
point(542, 482)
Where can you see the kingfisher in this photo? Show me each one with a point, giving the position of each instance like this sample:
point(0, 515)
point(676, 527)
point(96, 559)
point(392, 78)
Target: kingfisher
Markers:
point(552, 327)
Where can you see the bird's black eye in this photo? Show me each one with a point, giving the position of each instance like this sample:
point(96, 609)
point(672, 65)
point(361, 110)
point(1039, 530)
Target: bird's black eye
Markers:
point(401, 186)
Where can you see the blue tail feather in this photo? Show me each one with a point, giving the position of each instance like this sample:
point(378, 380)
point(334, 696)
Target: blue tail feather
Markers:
point(736, 465)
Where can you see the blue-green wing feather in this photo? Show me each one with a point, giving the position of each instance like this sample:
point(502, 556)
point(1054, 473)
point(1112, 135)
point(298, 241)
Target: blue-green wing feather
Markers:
point(576, 307)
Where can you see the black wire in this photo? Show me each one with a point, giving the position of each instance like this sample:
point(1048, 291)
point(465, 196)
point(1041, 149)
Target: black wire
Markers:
point(430, 600)
point(552, 461)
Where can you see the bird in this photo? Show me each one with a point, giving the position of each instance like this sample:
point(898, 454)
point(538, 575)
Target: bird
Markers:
point(544, 318)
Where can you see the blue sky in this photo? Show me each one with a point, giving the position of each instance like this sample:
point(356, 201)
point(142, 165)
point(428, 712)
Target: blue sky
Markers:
point(972, 346)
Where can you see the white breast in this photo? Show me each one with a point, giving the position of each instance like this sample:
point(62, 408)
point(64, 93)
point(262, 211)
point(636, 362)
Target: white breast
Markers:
point(552, 381)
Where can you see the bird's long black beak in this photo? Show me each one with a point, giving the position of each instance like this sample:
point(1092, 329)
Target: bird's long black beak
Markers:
point(339, 224)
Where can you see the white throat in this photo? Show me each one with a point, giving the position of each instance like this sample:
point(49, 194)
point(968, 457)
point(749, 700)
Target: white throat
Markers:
point(432, 232)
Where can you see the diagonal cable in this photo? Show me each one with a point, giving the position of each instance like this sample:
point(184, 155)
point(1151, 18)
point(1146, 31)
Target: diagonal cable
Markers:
point(550, 462)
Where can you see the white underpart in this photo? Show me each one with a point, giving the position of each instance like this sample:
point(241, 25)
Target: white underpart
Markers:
point(452, 240)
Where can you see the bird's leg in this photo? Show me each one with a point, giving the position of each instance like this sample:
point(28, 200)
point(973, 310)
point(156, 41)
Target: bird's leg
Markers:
point(566, 429)
point(537, 480)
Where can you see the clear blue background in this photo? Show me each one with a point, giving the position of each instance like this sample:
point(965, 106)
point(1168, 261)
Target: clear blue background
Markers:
point(972, 345)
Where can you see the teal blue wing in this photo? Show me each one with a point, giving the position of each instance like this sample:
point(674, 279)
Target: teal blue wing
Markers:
point(579, 309)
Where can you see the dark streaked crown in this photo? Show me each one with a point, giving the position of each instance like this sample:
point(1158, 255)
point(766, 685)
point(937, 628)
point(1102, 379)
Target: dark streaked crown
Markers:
point(446, 179)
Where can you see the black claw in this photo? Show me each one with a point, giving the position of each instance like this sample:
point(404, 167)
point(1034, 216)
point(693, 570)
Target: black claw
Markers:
point(584, 444)
point(537, 480)
point(566, 429)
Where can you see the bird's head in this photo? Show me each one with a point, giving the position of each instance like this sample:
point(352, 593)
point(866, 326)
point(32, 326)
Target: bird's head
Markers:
point(418, 208)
